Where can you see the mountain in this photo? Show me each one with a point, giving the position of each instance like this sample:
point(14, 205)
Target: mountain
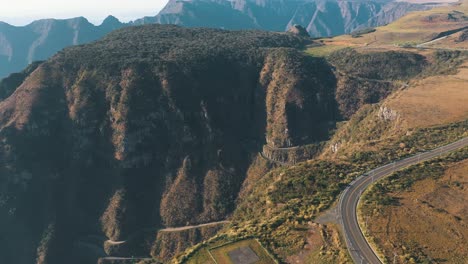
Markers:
point(39, 40)
point(124, 146)
point(319, 17)
point(20, 46)
point(151, 126)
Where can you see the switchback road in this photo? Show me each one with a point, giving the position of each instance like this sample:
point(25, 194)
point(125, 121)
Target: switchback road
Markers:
point(359, 248)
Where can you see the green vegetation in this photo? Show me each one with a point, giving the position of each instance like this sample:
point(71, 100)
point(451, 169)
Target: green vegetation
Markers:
point(352, 93)
point(389, 65)
point(182, 47)
point(446, 62)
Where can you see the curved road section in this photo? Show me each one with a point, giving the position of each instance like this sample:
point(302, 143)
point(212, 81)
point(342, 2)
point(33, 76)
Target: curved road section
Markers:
point(358, 247)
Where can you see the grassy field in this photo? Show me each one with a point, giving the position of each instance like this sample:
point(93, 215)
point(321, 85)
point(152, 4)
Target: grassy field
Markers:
point(433, 101)
point(324, 50)
point(220, 254)
point(413, 29)
point(420, 213)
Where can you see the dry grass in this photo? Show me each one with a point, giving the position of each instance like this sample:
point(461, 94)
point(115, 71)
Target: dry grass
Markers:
point(324, 246)
point(433, 101)
point(414, 28)
point(325, 50)
point(201, 257)
point(430, 220)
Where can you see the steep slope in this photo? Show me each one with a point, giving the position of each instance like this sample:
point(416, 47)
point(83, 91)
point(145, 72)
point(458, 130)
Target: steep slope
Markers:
point(395, 102)
point(281, 209)
point(41, 39)
point(152, 126)
point(8, 85)
point(321, 17)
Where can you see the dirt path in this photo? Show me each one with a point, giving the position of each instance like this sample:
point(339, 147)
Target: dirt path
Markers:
point(171, 229)
point(175, 229)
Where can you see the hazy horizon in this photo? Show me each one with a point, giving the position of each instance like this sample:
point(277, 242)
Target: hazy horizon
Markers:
point(23, 12)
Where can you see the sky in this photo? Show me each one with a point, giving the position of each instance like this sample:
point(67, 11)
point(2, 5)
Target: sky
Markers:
point(22, 12)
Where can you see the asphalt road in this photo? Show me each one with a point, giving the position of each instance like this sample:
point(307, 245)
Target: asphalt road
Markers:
point(359, 248)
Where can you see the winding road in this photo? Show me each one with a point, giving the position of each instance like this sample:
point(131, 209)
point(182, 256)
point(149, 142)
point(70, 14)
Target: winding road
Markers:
point(359, 249)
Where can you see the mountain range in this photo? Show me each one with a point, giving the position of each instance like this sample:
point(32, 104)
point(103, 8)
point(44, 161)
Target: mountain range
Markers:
point(177, 144)
point(20, 46)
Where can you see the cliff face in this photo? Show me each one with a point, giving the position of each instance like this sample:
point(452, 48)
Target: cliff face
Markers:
point(320, 17)
point(151, 126)
point(20, 46)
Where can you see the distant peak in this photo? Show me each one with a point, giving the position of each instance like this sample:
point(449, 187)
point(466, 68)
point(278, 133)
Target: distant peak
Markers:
point(111, 20)
point(76, 21)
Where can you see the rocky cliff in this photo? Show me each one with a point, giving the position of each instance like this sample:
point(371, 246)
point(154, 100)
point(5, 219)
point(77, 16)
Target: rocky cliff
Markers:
point(319, 17)
point(41, 39)
point(152, 126)
point(20, 46)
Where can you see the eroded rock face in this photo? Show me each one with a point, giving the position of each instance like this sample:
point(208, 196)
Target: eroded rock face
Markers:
point(151, 126)
point(20, 46)
point(387, 114)
point(320, 18)
point(41, 39)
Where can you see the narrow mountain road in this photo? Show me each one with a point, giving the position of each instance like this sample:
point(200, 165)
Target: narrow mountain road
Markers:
point(430, 42)
point(175, 229)
point(117, 258)
point(358, 247)
point(170, 229)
